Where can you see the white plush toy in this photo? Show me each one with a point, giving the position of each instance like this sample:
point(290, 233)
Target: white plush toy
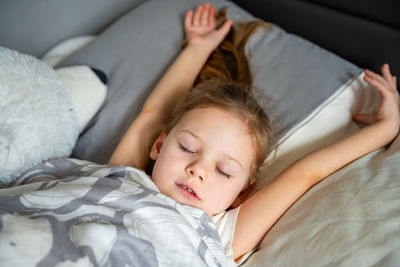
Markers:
point(42, 110)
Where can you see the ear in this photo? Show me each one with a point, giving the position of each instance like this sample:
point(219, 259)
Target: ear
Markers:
point(244, 194)
point(156, 148)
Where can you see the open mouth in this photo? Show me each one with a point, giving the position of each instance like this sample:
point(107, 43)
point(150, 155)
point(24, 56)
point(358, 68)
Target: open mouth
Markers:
point(188, 192)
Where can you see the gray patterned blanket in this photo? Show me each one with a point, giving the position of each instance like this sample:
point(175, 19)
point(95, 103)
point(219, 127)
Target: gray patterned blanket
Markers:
point(69, 212)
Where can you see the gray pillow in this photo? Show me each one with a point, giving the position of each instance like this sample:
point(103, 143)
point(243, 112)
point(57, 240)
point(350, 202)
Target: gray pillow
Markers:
point(137, 49)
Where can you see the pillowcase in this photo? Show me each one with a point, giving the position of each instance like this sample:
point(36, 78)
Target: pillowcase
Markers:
point(137, 49)
point(66, 48)
point(352, 217)
point(330, 122)
point(298, 75)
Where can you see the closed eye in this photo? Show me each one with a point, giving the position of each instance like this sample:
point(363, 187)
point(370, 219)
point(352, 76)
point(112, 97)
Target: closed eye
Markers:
point(223, 173)
point(184, 149)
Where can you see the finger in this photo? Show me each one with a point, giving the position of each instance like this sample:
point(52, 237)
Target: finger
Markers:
point(393, 82)
point(197, 15)
point(188, 19)
point(365, 118)
point(206, 13)
point(211, 17)
point(376, 80)
point(375, 76)
point(224, 29)
point(386, 74)
point(378, 85)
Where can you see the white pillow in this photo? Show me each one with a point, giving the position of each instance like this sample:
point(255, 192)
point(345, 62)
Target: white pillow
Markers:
point(330, 122)
point(352, 217)
point(66, 48)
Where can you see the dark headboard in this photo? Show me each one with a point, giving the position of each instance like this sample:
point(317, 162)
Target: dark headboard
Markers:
point(365, 32)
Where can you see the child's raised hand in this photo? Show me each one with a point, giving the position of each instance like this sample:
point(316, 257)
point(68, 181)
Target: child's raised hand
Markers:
point(200, 27)
point(388, 110)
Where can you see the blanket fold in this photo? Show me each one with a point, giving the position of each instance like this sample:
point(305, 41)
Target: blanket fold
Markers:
point(74, 212)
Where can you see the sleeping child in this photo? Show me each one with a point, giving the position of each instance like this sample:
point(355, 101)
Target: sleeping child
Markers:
point(207, 155)
point(202, 148)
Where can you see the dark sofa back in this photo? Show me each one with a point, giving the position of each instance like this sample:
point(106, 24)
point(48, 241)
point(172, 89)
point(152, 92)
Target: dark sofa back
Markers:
point(365, 32)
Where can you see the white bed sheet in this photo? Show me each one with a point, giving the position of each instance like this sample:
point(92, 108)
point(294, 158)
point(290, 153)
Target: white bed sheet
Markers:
point(351, 218)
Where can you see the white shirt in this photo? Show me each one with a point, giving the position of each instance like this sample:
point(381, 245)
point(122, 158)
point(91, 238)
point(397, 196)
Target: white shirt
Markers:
point(226, 223)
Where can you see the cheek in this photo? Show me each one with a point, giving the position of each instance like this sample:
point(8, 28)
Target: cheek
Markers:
point(227, 195)
point(167, 166)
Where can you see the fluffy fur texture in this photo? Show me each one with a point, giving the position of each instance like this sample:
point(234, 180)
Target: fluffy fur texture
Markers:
point(37, 119)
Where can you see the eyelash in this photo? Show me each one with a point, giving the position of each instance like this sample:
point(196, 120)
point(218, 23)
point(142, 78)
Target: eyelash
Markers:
point(223, 173)
point(184, 149)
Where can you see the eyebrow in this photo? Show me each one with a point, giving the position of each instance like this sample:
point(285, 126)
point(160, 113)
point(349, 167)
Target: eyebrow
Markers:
point(226, 155)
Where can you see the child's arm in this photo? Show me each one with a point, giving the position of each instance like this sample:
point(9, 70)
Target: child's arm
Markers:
point(260, 212)
point(203, 38)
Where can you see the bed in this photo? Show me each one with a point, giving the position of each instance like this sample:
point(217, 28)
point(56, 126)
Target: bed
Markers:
point(313, 73)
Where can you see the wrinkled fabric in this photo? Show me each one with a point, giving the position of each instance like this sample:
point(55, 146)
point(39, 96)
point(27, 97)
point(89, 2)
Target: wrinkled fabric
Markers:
point(74, 212)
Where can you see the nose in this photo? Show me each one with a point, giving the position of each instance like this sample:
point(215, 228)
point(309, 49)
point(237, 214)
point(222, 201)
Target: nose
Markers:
point(198, 171)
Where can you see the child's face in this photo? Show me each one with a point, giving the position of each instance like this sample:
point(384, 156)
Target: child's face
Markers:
point(209, 152)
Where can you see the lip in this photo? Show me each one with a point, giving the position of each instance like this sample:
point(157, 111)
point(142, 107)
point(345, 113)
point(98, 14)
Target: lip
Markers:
point(186, 193)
